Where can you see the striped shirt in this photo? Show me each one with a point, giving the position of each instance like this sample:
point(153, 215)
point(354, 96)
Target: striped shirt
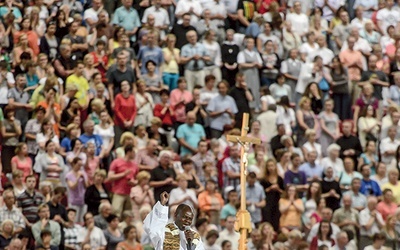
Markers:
point(72, 235)
point(29, 204)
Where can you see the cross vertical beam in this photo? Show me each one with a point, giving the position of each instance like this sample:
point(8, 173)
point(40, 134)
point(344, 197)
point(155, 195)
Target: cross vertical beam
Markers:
point(243, 219)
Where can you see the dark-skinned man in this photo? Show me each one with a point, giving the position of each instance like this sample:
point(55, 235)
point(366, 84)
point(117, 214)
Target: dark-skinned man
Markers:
point(173, 235)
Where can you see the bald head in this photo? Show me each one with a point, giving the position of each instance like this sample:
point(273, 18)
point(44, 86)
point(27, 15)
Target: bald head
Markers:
point(191, 36)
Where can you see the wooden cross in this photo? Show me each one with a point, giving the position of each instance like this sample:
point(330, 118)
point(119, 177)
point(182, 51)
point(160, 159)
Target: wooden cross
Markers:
point(243, 219)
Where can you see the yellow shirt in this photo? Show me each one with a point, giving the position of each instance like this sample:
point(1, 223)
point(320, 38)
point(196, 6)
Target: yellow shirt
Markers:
point(395, 189)
point(83, 88)
point(172, 67)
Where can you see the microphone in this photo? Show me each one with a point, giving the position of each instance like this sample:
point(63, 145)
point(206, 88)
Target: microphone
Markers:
point(188, 239)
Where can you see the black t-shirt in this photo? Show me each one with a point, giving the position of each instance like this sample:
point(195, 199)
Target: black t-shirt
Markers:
point(116, 77)
point(368, 75)
point(180, 32)
point(248, 7)
point(199, 119)
point(161, 174)
point(239, 95)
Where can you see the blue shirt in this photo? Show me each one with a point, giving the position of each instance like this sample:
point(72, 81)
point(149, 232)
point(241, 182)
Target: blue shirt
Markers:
point(128, 19)
point(66, 143)
point(254, 194)
point(150, 54)
point(370, 187)
point(191, 134)
point(96, 139)
point(220, 103)
point(311, 170)
point(190, 50)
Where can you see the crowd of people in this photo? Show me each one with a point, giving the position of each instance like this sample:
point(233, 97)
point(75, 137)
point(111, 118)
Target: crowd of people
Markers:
point(105, 105)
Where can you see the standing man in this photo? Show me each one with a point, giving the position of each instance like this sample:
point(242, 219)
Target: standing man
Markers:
point(194, 56)
point(190, 134)
point(222, 109)
point(79, 46)
point(150, 52)
point(29, 201)
point(127, 17)
point(122, 174)
point(242, 96)
point(163, 177)
point(173, 235)
point(19, 99)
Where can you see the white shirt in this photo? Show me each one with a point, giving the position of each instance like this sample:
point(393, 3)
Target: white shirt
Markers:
point(218, 8)
point(154, 226)
point(214, 50)
point(328, 14)
point(161, 17)
point(241, 58)
point(300, 23)
point(360, 24)
point(178, 194)
point(97, 238)
point(337, 165)
point(305, 77)
point(306, 48)
point(232, 237)
point(364, 217)
point(92, 14)
point(184, 6)
point(388, 145)
point(367, 4)
point(361, 45)
point(326, 54)
point(231, 5)
point(268, 124)
point(388, 17)
point(105, 134)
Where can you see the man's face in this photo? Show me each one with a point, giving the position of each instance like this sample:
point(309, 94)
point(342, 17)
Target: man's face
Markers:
point(58, 197)
point(79, 69)
point(31, 183)
point(44, 213)
point(347, 201)
point(222, 89)
point(297, 7)
point(372, 62)
point(186, 20)
point(74, 27)
point(312, 157)
point(230, 223)
point(89, 128)
point(127, 3)
point(66, 52)
point(22, 81)
point(392, 132)
point(152, 147)
point(122, 60)
point(165, 160)
point(184, 218)
point(346, 128)
point(71, 215)
point(234, 152)
point(256, 237)
point(192, 37)
point(251, 180)
point(344, 16)
point(191, 119)
point(9, 199)
point(96, 4)
point(366, 171)
point(150, 21)
point(356, 185)
point(326, 214)
point(203, 147)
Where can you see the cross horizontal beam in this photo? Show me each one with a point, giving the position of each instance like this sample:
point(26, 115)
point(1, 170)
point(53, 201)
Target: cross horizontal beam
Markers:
point(235, 138)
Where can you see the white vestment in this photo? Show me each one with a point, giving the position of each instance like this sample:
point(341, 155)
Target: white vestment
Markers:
point(155, 225)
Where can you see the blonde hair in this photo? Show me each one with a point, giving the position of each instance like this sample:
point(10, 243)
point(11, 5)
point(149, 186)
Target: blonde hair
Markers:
point(303, 100)
point(143, 175)
point(17, 173)
point(7, 221)
point(100, 86)
point(127, 135)
point(309, 132)
point(101, 172)
point(156, 121)
point(97, 103)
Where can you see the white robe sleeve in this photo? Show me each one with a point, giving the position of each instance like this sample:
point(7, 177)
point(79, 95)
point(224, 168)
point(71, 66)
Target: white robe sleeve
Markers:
point(154, 225)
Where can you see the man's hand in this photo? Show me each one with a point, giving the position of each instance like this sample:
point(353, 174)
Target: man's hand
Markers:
point(189, 234)
point(164, 198)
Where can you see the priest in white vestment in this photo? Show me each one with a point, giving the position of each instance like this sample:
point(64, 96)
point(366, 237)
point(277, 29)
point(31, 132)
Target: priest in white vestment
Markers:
point(171, 236)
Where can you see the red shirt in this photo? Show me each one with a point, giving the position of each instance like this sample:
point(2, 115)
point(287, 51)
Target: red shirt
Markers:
point(167, 118)
point(124, 110)
point(121, 186)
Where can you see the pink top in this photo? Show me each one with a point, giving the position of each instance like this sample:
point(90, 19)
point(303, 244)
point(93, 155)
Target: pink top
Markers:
point(137, 191)
point(93, 165)
point(179, 107)
point(121, 186)
point(386, 209)
point(354, 61)
point(25, 166)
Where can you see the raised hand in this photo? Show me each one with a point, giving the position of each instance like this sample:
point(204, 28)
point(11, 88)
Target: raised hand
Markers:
point(164, 198)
